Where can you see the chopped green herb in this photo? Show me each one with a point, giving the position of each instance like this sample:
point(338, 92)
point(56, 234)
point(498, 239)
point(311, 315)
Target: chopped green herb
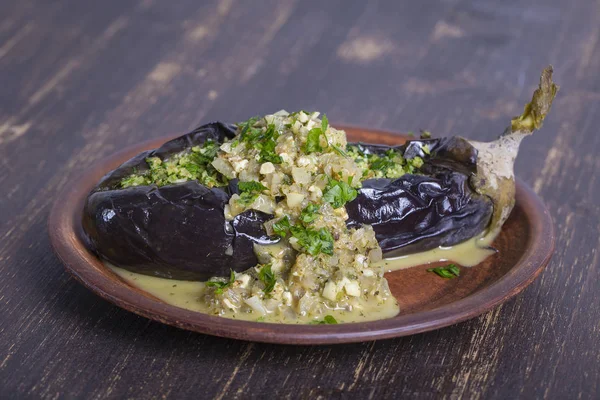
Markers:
point(328, 320)
point(267, 143)
point(389, 164)
point(426, 149)
point(313, 241)
point(309, 113)
point(267, 151)
point(339, 151)
point(251, 186)
point(324, 124)
point(425, 134)
point(313, 141)
point(309, 213)
point(134, 180)
point(249, 191)
point(268, 278)
point(206, 154)
point(246, 126)
point(282, 227)
point(247, 198)
point(192, 164)
point(264, 140)
point(220, 285)
point(413, 164)
point(449, 272)
point(384, 162)
point(338, 193)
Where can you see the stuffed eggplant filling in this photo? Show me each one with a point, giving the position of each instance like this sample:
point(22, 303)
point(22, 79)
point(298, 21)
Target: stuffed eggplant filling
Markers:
point(280, 216)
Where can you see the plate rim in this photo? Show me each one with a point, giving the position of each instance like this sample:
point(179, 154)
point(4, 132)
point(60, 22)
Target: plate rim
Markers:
point(63, 226)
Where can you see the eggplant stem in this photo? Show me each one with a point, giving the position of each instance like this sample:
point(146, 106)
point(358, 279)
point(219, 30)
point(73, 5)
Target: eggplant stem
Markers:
point(536, 110)
point(495, 160)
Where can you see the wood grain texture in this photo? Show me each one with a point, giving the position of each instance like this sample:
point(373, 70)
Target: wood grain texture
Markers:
point(81, 80)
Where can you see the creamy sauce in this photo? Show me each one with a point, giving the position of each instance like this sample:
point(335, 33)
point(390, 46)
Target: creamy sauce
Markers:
point(467, 254)
point(188, 294)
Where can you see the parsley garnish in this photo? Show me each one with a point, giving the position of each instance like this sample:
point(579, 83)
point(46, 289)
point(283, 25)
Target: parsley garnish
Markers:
point(133, 180)
point(267, 144)
point(206, 154)
point(263, 140)
point(282, 227)
point(246, 126)
point(249, 191)
point(448, 272)
point(324, 124)
point(310, 213)
point(339, 193)
point(384, 162)
point(220, 285)
point(313, 241)
point(268, 278)
point(313, 141)
point(389, 164)
point(328, 320)
point(190, 164)
point(251, 186)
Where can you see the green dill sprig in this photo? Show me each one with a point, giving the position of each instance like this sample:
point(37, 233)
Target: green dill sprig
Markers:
point(262, 139)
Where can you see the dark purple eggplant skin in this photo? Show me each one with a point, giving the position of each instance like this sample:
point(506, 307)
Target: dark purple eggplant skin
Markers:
point(176, 231)
point(419, 212)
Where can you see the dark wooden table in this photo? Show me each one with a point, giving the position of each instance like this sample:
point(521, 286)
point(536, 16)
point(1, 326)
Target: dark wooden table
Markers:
point(80, 80)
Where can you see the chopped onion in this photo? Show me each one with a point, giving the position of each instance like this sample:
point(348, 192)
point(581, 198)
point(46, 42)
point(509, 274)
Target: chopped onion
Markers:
point(256, 304)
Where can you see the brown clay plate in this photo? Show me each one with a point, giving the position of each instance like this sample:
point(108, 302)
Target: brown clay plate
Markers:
point(427, 302)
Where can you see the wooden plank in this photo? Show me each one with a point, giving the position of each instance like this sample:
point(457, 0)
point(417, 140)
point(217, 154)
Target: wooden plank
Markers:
point(82, 79)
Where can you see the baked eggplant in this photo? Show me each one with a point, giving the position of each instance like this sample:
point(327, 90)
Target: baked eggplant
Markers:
point(418, 212)
point(179, 229)
point(174, 231)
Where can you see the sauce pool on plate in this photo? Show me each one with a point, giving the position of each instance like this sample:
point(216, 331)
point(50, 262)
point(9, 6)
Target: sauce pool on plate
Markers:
point(190, 294)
